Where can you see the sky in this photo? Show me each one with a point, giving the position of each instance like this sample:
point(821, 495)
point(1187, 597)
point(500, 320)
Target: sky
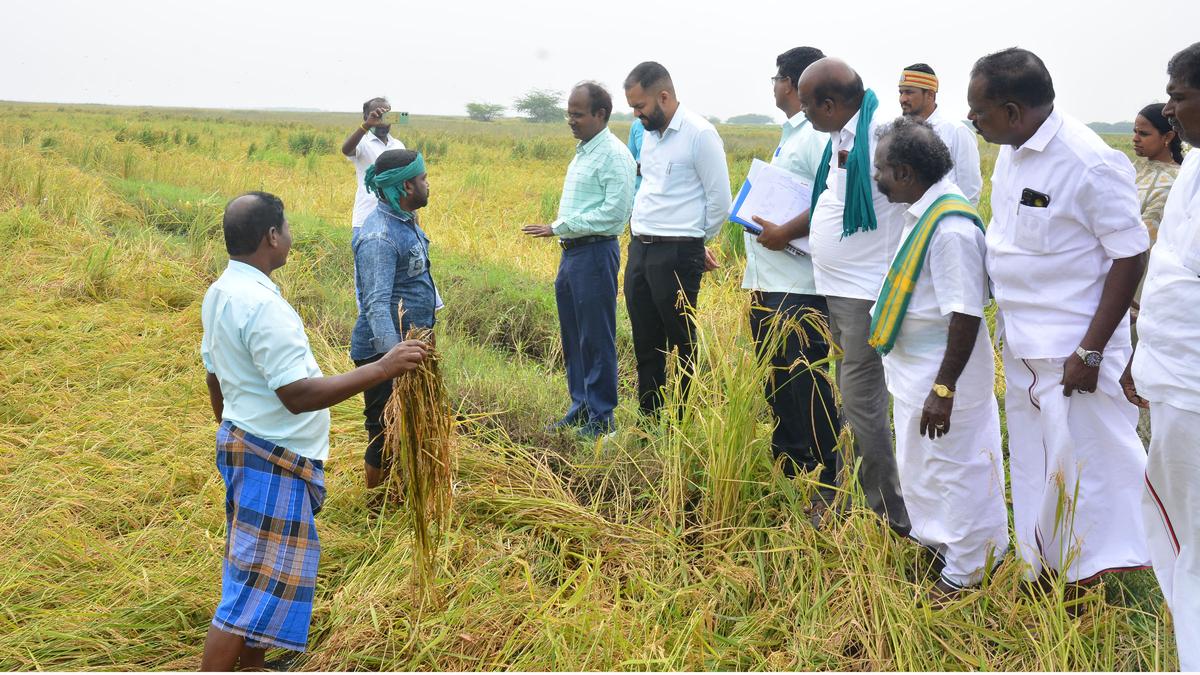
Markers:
point(1107, 58)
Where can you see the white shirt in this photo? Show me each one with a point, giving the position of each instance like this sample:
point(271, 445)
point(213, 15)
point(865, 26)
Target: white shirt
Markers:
point(854, 266)
point(1166, 366)
point(368, 150)
point(964, 150)
point(1048, 265)
point(685, 181)
point(799, 152)
point(254, 342)
point(953, 279)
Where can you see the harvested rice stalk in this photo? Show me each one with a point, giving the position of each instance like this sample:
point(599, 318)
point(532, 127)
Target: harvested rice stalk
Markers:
point(418, 453)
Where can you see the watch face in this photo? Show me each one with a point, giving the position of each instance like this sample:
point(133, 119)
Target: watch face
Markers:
point(1093, 360)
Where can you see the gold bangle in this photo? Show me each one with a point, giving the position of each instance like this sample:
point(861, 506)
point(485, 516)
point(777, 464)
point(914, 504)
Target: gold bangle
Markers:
point(364, 127)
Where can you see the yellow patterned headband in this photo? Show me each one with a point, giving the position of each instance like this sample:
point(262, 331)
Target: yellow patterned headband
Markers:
point(919, 80)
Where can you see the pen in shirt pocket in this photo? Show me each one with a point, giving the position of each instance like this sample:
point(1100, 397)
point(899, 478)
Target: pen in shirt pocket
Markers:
point(777, 149)
point(669, 165)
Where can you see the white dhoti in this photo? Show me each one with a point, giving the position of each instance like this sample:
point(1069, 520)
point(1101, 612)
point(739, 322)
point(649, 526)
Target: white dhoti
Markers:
point(954, 488)
point(1171, 507)
point(1076, 467)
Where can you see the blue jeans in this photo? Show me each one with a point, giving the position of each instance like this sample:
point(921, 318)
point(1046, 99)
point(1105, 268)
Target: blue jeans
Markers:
point(586, 294)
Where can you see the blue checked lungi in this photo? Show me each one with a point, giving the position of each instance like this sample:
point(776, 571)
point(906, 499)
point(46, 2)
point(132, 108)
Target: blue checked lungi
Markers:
point(271, 548)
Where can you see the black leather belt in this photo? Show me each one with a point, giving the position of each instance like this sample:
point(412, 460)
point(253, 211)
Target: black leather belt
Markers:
point(584, 241)
point(654, 239)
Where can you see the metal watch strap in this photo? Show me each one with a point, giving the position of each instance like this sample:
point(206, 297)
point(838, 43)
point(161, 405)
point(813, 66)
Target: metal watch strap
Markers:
point(1090, 358)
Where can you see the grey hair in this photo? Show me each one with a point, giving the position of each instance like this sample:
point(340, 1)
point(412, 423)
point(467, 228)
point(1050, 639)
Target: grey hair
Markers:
point(915, 143)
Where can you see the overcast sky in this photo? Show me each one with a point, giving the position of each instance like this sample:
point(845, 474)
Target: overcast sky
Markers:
point(1108, 58)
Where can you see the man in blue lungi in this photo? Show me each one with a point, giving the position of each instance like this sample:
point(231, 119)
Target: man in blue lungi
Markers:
point(270, 399)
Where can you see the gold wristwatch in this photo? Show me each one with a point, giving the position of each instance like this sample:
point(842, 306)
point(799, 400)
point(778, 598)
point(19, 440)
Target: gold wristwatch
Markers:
point(943, 391)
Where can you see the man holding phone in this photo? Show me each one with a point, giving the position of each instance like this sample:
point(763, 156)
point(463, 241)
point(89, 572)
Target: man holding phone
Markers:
point(363, 146)
point(1065, 250)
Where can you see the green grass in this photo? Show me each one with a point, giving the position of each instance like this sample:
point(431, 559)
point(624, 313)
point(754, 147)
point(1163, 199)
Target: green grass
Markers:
point(675, 548)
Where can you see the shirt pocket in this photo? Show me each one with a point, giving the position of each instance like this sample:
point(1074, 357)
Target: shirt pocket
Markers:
point(680, 174)
point(1188, 248)
point(840, 184)
point(1033, 229)
point(417, 263)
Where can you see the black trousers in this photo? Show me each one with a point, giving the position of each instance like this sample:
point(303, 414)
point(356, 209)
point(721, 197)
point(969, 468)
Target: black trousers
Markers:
point(374, 401)
point(801, 398)
point(657, 277)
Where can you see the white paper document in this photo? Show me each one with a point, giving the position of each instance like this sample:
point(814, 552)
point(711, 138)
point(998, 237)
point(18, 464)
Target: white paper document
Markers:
point(773, 194)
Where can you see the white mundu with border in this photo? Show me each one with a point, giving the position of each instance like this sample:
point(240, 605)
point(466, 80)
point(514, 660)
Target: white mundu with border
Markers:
point(1076, 461)
point(1166, 370)
point(954, 485)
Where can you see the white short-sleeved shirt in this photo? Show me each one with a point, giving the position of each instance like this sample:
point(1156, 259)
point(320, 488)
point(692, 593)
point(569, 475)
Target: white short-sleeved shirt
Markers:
point(854, 266)
point(1048, 265)
point(254, 342)
point(685, 180)
point(953, 279)
point(799, 151)
point(368, 150)
point(964, 150)
point(1166, 366)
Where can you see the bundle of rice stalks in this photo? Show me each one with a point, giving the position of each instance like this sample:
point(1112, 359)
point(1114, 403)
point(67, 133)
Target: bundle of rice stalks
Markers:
point(418, 451)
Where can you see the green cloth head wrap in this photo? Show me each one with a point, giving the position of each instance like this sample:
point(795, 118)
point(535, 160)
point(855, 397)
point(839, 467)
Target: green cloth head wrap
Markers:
point(389, 185)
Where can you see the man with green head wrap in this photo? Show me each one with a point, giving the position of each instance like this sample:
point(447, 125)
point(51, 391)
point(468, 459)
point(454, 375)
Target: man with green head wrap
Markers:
point(391, 259)
point(853, 233)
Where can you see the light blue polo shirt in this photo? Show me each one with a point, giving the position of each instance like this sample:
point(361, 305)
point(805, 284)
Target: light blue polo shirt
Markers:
point(254, 342)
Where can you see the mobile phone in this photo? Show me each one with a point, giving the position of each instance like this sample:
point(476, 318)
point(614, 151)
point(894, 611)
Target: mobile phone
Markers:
point(1035, 199)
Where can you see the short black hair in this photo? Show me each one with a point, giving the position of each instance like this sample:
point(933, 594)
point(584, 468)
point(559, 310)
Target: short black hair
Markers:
point(845, 93)
point(647, 74)
point(394, 159)
point(246, 226)
point(367, 105)
point(598, 98)
point(793, 62)
point(922, 68)
point(915, 143)
point(1017, 75)
point(1185, 66)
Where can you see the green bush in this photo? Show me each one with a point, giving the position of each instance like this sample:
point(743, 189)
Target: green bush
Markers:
point(308, 142)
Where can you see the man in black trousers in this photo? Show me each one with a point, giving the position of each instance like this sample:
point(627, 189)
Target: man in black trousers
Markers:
point(683, 202)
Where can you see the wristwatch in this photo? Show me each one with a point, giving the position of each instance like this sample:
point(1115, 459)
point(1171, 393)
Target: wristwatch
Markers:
point(1090, 359)
point(943, 391)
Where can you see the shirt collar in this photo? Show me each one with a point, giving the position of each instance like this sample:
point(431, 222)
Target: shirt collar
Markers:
point(796, 121)
point(851, 126)
point(934, 116)
point(252, 273)
point(582, 148)
point(676, 121)
point(385, 141)
point(931, 195)
point(1045, 133)
point(388, 210)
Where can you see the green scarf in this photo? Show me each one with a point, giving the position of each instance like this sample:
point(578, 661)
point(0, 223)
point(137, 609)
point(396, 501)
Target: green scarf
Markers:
point(906, 267)
point(859, 213)
point(389, 185)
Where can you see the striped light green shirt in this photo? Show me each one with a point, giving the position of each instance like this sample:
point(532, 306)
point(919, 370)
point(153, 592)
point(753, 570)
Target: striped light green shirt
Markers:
point(597, 196)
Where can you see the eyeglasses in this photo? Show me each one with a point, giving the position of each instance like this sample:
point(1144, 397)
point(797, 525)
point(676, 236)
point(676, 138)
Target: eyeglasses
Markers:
point(780, 78)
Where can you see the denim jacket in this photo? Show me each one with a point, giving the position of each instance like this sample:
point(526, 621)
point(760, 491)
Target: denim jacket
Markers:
point(391, 261)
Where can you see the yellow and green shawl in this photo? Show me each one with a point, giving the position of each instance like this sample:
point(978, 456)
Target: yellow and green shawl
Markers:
point(902, 277)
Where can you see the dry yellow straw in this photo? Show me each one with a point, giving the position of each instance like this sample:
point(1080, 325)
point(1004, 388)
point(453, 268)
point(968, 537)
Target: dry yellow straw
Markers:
point(418, 451)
